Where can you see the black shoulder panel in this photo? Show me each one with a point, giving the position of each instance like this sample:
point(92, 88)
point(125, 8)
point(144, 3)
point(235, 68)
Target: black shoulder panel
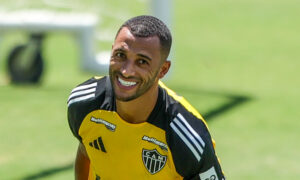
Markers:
point(163, 115)
point(85, 98)
point(187, 141)
point(187, 136)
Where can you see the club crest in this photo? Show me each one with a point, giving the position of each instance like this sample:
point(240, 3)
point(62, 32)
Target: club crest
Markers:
point(153, 161)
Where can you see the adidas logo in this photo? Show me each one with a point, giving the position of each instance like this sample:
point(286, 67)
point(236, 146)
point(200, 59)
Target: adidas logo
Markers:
point(98, 144)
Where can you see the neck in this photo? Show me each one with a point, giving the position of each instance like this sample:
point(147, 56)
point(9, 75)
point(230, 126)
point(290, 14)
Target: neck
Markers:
point(138, 110)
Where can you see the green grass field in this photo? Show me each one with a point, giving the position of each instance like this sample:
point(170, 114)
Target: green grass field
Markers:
point(236, 61)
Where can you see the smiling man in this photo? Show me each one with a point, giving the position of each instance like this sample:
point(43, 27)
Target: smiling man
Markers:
point(130, 125)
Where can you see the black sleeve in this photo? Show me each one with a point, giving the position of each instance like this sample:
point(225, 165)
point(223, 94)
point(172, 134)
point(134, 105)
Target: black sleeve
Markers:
point(79, 104)
point(192, 148)
point(74, 121)
point(210, 168)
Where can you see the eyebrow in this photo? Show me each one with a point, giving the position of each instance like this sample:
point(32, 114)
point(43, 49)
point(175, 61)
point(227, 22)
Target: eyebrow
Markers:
point(119, 49)
point(141, 55)
point(144, 56)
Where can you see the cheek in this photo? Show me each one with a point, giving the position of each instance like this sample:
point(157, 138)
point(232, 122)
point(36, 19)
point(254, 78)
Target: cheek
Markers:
point(150, 75)
point(112, 67)
point(113, 64)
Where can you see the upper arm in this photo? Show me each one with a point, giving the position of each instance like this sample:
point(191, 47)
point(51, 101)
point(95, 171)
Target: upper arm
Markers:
point(74, 120)
point(210, 168)
point(82, 163)
point(193, 149)
point(81, 151)
point(78, 105)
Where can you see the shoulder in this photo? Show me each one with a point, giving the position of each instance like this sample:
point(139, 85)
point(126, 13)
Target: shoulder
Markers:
point(84, 98)
point(188, 136)
point(86, 90)
point(182, 114)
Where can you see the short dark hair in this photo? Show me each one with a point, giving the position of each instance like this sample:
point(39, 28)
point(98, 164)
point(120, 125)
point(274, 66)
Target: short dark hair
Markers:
point(147, 26)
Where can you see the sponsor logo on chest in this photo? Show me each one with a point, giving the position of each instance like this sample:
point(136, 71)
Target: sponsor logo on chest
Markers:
point(162, 145)
point(107, 124)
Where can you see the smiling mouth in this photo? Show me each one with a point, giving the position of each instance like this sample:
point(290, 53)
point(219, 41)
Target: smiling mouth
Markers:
point(126, 83)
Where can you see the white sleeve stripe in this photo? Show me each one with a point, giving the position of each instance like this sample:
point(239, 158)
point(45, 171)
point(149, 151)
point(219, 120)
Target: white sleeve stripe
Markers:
point(82, 92)
point(189, 135)
point(81, 98)
point(84, 87)
point(196, 154)
point(191, 129)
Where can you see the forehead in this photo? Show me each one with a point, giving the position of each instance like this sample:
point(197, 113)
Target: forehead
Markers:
point(127, 41)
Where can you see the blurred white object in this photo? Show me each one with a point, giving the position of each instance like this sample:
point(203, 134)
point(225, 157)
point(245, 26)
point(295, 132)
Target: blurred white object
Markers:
point(162, 9)
point(42, 21)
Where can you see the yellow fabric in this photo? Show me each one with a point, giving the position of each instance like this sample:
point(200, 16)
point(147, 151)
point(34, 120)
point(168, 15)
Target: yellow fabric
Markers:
point(124, 146)
point(98, 77)
point(91, 174)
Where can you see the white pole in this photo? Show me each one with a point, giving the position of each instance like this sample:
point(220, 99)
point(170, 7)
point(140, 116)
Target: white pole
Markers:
point(162, 9)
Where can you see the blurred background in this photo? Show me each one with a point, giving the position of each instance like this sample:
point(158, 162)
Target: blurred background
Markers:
point(236, 61)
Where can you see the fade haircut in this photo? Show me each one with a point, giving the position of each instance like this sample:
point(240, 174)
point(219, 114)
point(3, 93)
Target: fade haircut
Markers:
point(149, 26)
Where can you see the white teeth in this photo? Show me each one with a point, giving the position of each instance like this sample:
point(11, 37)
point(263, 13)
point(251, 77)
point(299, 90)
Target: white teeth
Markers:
point(126, 83)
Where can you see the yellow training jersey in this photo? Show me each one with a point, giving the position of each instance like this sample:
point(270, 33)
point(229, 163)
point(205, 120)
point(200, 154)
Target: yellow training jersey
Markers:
point(174, 143)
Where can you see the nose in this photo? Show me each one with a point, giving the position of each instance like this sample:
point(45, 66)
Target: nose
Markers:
point(127, 69)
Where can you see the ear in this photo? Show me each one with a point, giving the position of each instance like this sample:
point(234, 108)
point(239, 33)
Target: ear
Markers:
point(164, 69)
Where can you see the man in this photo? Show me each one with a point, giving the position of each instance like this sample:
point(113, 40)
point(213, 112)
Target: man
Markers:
point(131, 126)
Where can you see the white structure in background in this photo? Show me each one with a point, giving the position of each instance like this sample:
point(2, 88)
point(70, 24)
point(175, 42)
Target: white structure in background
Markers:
point(43, 22)
point(38, 23)
point(162, 9)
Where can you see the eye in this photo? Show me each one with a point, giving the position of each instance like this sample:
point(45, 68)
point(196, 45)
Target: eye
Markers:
point(142, 61)
point(120, 55)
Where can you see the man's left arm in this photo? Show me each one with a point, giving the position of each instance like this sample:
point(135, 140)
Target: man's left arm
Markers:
point(210, 165)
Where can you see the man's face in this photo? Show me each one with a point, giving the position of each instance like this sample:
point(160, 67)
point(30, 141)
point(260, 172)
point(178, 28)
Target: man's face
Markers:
point(135, 65)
